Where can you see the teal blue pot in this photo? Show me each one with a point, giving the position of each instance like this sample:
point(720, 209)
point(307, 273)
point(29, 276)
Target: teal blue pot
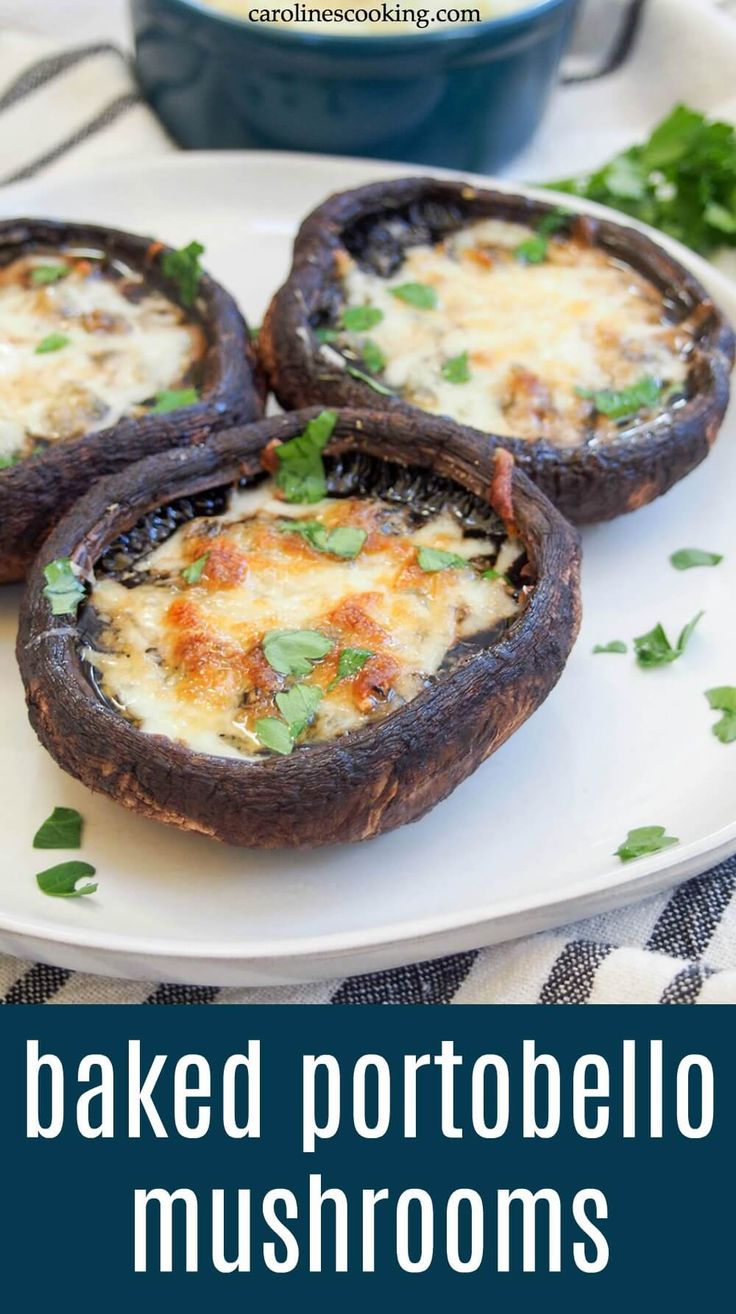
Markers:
point(468, 97)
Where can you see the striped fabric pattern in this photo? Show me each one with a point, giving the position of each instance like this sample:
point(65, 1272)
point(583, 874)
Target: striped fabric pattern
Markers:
point(68, 111)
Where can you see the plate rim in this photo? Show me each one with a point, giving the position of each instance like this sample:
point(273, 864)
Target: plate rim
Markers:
point(655, 873)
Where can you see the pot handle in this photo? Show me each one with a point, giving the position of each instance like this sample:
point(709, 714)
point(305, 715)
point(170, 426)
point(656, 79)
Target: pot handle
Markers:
point(610, 25)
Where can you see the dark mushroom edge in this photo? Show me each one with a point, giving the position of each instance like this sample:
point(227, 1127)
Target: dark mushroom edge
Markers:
point(36, 491)
point(346, 789)
point(378, 223)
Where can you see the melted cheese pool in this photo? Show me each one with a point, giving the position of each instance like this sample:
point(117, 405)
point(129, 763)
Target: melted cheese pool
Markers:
point(205, 641)
point(81, 346)
point(511, 342)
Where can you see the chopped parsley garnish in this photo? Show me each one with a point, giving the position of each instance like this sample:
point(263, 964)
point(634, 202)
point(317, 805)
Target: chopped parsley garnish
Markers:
point(682, 180)
point(298, 706)
point(171, 399)
point(64, 589)
point(192, 573)
point(53, 342)
point(344, 541)
point(494, 574)
point(457, 369)
point(686, 558)
point(644, 840)
point(274, 734)
point(61, 881)
point(534, 250)
point(420, 295)
point(372, 383)
point(62, 830)
point(43, 274)
point(7, 461)
point(723, 699)
point(184, 268)
point(655, 649)
point(326, 334)
point(301, 472)
point(358, 319)
point(620, 404)
point(373, 358)
point(292, 652)
point(616, 645)
point(349, 663)
point(431, 559)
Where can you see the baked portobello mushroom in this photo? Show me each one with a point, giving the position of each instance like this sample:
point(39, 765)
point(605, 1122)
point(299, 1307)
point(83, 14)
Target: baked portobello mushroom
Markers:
point(114, 347)
point(277, 647)
point(577, 343)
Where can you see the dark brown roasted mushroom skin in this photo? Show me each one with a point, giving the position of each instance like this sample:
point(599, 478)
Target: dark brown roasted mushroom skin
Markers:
point(350, 788)
point(36, 492)
point(587, 483)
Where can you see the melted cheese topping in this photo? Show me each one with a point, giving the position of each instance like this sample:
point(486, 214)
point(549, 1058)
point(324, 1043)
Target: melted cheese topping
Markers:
point(187, 660)
point(533, 333)
point(120, 344)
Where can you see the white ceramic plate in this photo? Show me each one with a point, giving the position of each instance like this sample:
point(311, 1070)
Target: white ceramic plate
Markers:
point(524, 844)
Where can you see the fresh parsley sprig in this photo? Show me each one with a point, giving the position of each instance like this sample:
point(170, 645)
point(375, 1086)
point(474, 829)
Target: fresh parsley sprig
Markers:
point(184, 269)
point(687, 558)
point(655, 649)
point(172, 399)
point(622, 403)
point(63, 589)
point(681, 180)
point(723, 699)
point(301, 472)
point(644, 840)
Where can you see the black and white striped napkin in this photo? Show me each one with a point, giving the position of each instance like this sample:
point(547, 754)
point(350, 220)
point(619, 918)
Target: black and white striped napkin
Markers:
point(69, 110)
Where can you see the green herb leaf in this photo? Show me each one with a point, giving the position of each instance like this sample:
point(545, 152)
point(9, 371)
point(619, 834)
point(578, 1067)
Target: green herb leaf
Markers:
point(358, 319)
point(301, 472)
point(62, 830)
point(345, 541)
point(616, 645)
point(61, 881)
point(274, 734)
point(372, 383)
point(192, 573)
point(43, 274)
point(532, 251)
point(457, 369)
point(292, 652)
point(63, 587)
point(184, 268)
point(420, 295)
point(298, 706)
point(644, 840)
point(495, 574)
point(349, 663)
point(7, 461)
point(326, 334)
point(723, 699)
point(682, 180)
point(254, 331)
point(432, 559)
point(54, 342)
point(171, 399)
point(655, 649)
point(373, 358)
point(686, 558)
point(622, 403)
point(554, 220)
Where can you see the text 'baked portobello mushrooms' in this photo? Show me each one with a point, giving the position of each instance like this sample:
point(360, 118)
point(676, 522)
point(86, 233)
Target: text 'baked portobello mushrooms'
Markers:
point(113, 347)
point(303, 631)
point(577, 343)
